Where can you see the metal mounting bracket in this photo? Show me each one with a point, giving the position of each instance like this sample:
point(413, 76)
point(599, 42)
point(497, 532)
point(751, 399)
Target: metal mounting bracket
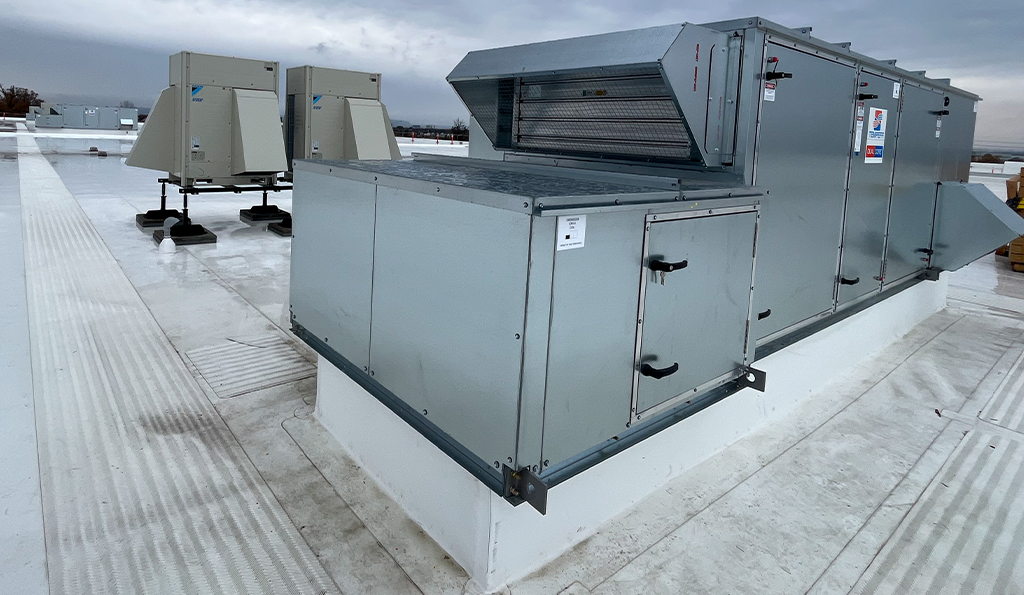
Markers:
point(523, 486)
point(752, 378)
point(930, 275)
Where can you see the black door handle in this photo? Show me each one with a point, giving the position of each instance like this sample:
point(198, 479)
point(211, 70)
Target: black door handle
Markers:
point(771, 76)
point(666, 267)
point(845, 281)
point(863, 96)
point(939, 112)
point(765, 314)
point(925, 251)
point(657, 374)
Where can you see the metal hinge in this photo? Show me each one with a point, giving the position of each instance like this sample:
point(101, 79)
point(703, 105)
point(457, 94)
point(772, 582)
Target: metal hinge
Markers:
point(752, 378)
point(523, 486)
point(930, 274)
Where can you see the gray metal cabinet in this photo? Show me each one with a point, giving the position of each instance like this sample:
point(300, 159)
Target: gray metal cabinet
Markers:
point(449, 288)
point(803, 152)
point(914, 185)
point(867, 201)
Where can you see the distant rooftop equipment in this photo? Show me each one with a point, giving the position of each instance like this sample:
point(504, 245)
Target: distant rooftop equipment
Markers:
point(216, 128)
point(336, 114)
point(60, 115)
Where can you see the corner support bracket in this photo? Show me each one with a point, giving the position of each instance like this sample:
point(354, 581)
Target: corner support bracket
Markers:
point(752, 378)
point(930, 275)
point(523, 486)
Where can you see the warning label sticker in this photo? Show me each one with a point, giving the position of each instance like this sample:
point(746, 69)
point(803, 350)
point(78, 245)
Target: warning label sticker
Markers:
point(769, 91)
point(195, 143)
point(859, 133)
point(572, 231)
point(895, 90)
point(875, 144)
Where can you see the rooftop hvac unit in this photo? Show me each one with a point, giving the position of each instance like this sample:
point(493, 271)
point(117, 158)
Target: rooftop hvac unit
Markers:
point(336, 114)
point(535, 315)
point(216, 128)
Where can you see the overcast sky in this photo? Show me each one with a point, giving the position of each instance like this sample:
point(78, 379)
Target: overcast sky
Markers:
point(109, 50)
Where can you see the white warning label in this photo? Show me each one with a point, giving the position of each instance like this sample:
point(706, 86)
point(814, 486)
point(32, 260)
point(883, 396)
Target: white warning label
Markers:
point(895, 90)
point(572, 231)
point(860, 129)
point(769, 91)
point(875, 143)
point(195, 143)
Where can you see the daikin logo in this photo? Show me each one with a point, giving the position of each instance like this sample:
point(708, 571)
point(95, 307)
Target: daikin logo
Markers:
point(196, 89)
point(876, 122)
point(316, 98)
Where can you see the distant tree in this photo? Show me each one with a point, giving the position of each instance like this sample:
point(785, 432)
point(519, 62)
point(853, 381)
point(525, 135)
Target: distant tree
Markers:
point(17, 100)
point(459, 127)
point(127, 103)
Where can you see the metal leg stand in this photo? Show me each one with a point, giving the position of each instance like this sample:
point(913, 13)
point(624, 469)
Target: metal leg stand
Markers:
point(184, 232)
point(155, 218)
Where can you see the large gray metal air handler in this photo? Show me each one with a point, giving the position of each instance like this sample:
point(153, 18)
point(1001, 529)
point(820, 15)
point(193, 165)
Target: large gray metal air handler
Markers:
point(593, 280)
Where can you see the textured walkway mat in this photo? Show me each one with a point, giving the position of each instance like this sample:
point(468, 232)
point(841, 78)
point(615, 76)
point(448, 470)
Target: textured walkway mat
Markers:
point(145, 490)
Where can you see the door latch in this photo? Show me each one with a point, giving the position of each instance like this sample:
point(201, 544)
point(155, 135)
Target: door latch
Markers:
point(663, 267)
point(658, 373)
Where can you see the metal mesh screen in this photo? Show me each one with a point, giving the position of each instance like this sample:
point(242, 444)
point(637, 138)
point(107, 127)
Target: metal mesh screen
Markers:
point(626, 113)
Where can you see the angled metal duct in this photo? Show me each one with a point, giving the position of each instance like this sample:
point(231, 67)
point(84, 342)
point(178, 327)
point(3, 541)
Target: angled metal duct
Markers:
point(970, 222)
point(651, 94)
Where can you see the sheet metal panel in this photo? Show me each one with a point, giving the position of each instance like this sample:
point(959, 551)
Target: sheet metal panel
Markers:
point(803, 154)
point(957, 141)
point(332, 261)
point(535, 343)
point(695, 317)
point(867, 201)
point(449, 302)
point(257, 140)
point(913, 194)
point(638, 46)
point(594, 305)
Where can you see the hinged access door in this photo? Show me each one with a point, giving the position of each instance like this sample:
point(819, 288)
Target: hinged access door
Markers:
point(695, 304)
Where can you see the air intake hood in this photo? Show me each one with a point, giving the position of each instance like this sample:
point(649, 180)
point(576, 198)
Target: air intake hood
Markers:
point(653, 94)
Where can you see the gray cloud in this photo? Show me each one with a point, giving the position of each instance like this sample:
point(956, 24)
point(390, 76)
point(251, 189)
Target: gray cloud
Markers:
point(90, 53)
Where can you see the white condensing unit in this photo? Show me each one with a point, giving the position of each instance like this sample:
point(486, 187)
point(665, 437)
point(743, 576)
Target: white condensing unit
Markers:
point(216, 128)
point(335, 114)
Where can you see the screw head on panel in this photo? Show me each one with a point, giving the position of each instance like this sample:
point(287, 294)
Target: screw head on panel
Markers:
point(546, 462)
point(510, 459)
point(424, 412)
point(517, 335)
point(497, 465)
point(535, 469)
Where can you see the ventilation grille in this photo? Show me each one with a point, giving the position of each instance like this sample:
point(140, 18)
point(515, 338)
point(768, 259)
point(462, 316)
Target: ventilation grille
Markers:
point(628, 114)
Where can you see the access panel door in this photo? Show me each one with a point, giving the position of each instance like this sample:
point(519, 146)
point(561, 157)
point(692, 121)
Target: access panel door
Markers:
point(867, 201)
point(914, 185)
point(803, 150)
point(696, 299)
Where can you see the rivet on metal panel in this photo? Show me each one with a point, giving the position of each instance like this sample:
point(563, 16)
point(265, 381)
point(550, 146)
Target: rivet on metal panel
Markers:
point(438, 188)
point(535, 468)
point(510, 459)
point(546, 463)
point(517, 336)
point(424, 412)
point(526, 204)
point(364, 368)
point(497, 465)
point(640, 321)
point(627, 424)
point(371, 372)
